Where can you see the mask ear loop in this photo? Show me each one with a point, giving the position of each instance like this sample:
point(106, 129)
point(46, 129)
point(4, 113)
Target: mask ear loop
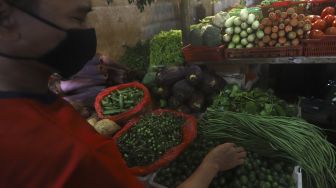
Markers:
point(35, 16)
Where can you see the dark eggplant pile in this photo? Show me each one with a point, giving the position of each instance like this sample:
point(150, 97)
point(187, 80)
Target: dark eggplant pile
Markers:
point(188, 89)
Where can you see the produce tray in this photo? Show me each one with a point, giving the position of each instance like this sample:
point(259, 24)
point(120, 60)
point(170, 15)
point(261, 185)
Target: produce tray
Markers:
point(297, 175)
point(203, 53)
point(267, 52)
point(300, 7)
point(320, 47)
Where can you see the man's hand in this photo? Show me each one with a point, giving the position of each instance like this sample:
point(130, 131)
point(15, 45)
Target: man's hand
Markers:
point(225, 157)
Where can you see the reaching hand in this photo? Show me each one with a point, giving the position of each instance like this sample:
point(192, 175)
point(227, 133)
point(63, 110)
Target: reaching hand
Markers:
point(226, 156)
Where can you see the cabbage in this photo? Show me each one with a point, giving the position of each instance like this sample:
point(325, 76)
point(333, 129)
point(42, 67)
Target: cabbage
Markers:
point(244, 42)
point(251, 18)
point(249, 45)
point(237, 30)
point(249, 30)
point(232, 45)
point(219, 19)
point(229, 30)
point(229, 22)
point(255, 25)
point(243, 14)
point(244, 25)
point(251, 37)
point(239, 46)
point(237, 21)
point(236, 39)
point(243, 34)
point(226, 38)
point(260, 34)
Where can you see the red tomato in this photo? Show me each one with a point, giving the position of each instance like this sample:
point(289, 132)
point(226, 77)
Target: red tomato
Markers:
point(329, 19)
point(331, 31)
point(319, 24)
point(334, 23)
point(316, 17)
point(316, 34)
point(327, 11)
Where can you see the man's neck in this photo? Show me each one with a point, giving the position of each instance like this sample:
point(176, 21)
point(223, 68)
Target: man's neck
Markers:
point(21, 76)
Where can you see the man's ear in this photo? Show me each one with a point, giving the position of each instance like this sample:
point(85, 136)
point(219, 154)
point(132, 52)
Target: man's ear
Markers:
point(7, 23)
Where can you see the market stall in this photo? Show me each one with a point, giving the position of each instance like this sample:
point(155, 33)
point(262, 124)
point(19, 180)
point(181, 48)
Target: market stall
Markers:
point(167, 104)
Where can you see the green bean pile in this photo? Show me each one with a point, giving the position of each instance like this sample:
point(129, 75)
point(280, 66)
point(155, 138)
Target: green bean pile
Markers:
point(120, 101)
point(150, 138)
point(272, 136)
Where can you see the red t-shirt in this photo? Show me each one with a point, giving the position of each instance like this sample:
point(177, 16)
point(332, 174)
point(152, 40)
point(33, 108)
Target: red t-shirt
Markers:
point(44, 143)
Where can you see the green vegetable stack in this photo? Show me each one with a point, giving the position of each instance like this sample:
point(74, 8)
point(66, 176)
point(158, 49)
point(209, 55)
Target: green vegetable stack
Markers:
point(150, 138)
point(242, 31)
point(255, 101)
point(137, 58)
point(120, 101)
point(165, 49)
point(257, 172)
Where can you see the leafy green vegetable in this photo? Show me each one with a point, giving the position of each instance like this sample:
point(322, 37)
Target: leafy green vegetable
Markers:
point(264, 102)
point(165, 49)
point(137, 58)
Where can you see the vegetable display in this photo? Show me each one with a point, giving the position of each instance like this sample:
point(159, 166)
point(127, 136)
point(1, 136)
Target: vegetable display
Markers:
point(137, 58)
point(242, 31)
point(256, 101)
point(122, 100)
point(165, 49)
point(324, 24)
point(150, 138)
point(256, 172)
point(274, 136)
point(284, 28)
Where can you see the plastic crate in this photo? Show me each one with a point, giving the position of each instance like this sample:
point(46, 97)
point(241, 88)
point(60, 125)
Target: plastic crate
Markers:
point(299, 6)
point(320, 47)
point(267, 52)
point(297, 175)
point(315, 7)
point(203, 53)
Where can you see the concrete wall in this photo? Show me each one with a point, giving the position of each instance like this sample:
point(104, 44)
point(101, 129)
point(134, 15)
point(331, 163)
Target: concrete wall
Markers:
point(122, 23)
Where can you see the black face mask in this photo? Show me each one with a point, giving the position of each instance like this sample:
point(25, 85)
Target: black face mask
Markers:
point(71, 54)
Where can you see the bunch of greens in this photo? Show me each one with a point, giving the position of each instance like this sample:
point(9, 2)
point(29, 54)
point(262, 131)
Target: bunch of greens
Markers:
point(165, 49)
point(256, 172)
point(137, 58)
point(150, 138)
point(255, 101)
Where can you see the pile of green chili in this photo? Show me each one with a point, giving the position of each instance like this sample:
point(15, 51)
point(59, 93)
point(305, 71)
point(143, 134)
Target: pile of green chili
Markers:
point(122, 100)
point(150, 138)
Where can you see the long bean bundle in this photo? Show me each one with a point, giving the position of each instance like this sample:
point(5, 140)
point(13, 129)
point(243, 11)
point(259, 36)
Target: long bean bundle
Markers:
point(274, 136)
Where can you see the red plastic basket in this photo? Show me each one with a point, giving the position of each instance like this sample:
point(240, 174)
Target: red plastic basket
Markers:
point(120, 118)
point(189, 130)
point(267, 52)
point(203, 53)
point(320, 47)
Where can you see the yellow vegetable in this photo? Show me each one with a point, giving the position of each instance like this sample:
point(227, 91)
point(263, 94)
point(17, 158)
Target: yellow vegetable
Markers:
point(106, 127)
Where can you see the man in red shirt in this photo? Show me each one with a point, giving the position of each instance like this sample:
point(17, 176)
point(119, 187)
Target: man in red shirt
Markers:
point(44, 142)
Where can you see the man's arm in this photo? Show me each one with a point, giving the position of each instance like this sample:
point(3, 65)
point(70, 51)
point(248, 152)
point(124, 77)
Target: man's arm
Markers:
point(223, 157)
